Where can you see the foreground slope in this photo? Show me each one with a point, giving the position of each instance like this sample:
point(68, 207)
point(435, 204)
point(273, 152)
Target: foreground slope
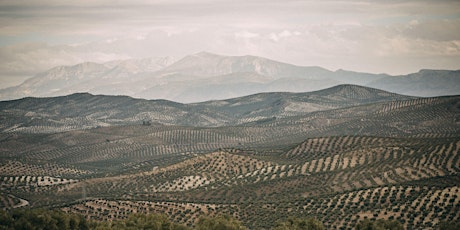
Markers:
point(373, 177)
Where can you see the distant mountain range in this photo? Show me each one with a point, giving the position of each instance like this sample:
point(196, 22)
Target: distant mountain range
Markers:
point(205, 76)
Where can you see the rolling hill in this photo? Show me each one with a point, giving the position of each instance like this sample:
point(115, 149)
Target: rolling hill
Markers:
point(340, 155)
point(425, 83)
point(84, 110)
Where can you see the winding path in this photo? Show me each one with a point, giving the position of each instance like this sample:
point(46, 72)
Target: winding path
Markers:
point(22, 203)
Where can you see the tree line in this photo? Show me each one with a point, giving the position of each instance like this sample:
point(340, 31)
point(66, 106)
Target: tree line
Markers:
point(58, 220)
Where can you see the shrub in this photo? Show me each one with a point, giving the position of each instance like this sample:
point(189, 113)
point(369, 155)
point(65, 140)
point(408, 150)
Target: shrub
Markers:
point(224, 222)
point(449, 225)
point(41, 219)
point(379, 225)
point(299, 224)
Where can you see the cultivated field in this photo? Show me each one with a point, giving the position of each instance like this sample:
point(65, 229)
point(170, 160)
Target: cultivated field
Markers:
point(340, 155)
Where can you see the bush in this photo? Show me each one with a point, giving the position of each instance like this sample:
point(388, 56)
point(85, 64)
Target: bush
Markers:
point(379, 225)
point(449, 225)
point(41, 219)
point(150, 221)
point(219, 223)
point(299, 224)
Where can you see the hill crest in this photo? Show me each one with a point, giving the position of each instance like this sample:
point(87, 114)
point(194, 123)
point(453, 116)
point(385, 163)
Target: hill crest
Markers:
point(102, 110)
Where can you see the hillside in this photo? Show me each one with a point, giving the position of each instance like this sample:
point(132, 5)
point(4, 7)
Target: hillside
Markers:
point(205, 76)
point(425, 83)
point(83, 111)
point(339, 155)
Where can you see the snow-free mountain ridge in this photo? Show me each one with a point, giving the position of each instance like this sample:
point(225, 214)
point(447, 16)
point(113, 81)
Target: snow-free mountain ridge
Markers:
point(206, 76)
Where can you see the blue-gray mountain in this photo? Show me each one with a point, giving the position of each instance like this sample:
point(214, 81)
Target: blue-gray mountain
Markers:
point(205, 76)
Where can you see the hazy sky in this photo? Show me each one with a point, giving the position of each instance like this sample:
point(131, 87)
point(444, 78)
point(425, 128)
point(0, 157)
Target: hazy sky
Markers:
point(391, 36)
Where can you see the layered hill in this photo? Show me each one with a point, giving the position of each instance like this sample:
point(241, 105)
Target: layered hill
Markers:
point(205, 76)
point(425, 83)
point(83, 110)
point(340, 155)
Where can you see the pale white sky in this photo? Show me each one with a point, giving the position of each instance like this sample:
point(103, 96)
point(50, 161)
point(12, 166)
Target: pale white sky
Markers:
point(388, 36)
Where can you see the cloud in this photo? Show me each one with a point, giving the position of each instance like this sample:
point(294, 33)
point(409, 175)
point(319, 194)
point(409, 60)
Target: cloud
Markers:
point(361, 35)
point(246, 34)
point(27, 59)
point(436, 30)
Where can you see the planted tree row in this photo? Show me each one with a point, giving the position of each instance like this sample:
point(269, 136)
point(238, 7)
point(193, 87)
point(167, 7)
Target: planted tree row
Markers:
point(17, 168)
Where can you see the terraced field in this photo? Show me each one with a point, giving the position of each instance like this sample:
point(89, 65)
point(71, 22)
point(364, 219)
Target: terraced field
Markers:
point(340, 155)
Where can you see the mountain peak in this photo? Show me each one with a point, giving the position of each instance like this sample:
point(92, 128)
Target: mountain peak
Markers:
point(77, 69)
point(205, 54)
point(142, 65)
point(351, 91)
point(205, 64)
point(205, 76)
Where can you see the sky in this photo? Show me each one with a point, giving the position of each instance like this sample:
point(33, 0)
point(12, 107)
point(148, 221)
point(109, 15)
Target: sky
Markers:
point(387, 36)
